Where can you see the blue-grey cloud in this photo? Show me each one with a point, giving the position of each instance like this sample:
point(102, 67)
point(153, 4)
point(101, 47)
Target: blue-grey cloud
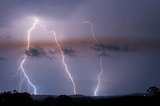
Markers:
point(103, 48)
point(128, 48)
point(37, 52)
point(69, 51)
point(2, 58)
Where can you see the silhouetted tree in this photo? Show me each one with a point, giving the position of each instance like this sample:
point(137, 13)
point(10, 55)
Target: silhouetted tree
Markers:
point(154, 91)
point(64, 100)
point(15, 98)
point(49, 101)
point(15, 91)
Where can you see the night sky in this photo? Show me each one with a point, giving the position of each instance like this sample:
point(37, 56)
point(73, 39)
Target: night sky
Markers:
point(128, 32)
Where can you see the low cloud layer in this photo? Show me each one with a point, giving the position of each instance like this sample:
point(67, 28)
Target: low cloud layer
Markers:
point(103, 48)
point(69, 51)
point(2, 58)
point(37, 52)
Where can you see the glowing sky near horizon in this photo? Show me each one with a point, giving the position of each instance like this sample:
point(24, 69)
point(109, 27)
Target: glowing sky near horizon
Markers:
point(128, 30)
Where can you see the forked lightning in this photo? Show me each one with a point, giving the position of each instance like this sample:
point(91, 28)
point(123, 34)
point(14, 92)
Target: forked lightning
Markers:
point(100, 60)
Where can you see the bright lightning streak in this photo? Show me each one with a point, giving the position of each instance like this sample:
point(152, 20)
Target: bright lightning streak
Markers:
point(93, 35)
point(25, 57)
point(25, 75)
point(21, 82)
point(66, 67)
point(30, 30)
point(99, 77)
point(100, 61)
point(63, 57)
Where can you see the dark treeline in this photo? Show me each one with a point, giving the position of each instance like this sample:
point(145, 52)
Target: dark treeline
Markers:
point(151, 98)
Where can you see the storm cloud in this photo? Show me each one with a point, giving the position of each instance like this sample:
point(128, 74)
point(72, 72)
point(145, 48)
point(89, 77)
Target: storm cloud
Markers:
point(103, 48)
point(69, 51)
point(37, 52)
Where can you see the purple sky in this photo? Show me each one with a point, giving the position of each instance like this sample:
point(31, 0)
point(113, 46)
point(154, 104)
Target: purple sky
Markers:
point(128, 30)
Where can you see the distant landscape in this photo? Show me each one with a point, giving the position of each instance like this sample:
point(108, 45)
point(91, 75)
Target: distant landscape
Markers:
point(151, 97)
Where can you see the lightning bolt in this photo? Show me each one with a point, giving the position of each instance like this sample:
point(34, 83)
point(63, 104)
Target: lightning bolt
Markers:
point(63, 57)
point(92, 32)
point(25, 58)
point(100, 60)
point(99, 77)
point(65, 65)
